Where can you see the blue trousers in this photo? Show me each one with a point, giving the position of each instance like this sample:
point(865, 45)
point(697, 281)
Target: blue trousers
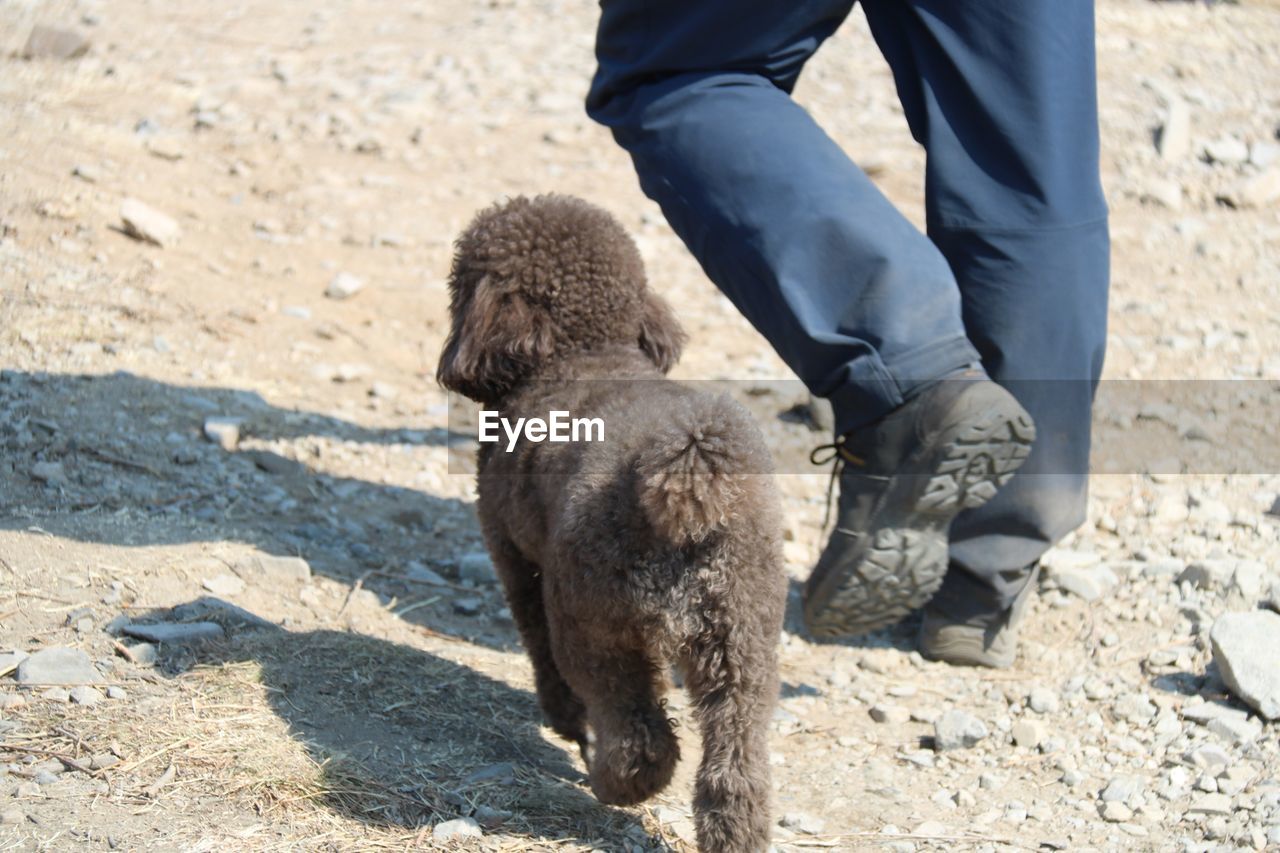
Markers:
point(1013, 270)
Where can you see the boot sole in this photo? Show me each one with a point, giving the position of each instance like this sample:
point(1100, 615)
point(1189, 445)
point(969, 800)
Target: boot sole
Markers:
point(905, 558)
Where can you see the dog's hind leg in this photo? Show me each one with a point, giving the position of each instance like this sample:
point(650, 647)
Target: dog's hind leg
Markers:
point(633, 750)
point(731, 673)
point(522, 582)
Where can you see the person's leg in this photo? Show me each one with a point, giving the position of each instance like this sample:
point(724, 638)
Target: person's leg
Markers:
point(858, 302)
point(1002, 95)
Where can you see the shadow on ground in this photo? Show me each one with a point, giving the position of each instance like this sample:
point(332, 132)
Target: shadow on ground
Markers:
point(405, 738)
point(122, 460)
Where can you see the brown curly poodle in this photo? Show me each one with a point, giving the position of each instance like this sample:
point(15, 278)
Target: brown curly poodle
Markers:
point(658, 545)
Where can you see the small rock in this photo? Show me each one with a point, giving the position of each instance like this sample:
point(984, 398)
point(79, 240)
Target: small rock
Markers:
point(1174, 138)
point(9, 661)
point(223, 431)
point(54, 43)
point(1211, 804)
point(1121, 789)
point(344, 285)
point(886, 713)
point(26, 789)
point(468, 606)
point(1246, 648)
point(462, 827)
point(491, 818)
point(1210, 758)
point(1260, 190)
point(278, 569)
point(86, 173)
point(116, 692)
point(503, 773)
point(1116, 812)
point(1248, 579)
point(86, 696)
point(957, 729)
point(1089, 583)
point(1028, 733)
point(1043, 701)
point(103, 761)
point(477, 568)
point(223, 585)
point(12, 817)
point(422, 574)
point(44, 777)
point(175, 633)
point(1236, 732)
point(58, 665)
point(49, 472)
point(803, 822)
point(1227, 150)
point(144, 222)
point(1208, 574)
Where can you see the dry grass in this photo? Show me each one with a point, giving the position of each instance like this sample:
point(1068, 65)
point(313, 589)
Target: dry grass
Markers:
point(334, 741)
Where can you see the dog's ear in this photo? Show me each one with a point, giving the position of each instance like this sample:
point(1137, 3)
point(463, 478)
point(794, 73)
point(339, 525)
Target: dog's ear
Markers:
point(496, 339)
point(661, 337)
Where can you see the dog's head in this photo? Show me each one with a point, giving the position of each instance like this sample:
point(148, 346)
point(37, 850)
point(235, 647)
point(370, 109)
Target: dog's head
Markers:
point(536, 278)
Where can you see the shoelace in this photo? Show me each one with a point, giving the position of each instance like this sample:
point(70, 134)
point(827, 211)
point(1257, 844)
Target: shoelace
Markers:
point(841, 456)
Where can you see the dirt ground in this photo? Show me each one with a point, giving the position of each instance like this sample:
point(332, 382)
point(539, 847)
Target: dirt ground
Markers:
point(359, 697)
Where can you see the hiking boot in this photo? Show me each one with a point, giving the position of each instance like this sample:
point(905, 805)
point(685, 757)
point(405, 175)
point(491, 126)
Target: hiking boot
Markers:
point(981, 641)
point(902, 480)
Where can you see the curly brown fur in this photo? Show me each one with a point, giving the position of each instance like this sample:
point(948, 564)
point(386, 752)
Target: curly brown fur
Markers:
point(658, 545)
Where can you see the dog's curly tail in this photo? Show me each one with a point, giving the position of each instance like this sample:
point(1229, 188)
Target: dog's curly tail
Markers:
point(690, 475)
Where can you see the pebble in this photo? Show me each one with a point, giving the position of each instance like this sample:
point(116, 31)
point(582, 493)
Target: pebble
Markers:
point(12, 817)
point(1211, 804)
point(462, 827)
point(277, 569)
point(1208, 574)
point(1116, 812)
point(1246, 648)
point(145, 223)
point(223, 431)
point(58, 665)
point(958, 729)
point(1028, 733)
point(26, 789)
point(1210, 758)
point(419, 572)
point(1043, 701)
point(1258, 191)
point(886, 713)
point(1121, 789)
point(344, 285)
point(1227, 150)
point(86, 696)
point(1236, 732)
point(477, 568)
point(49, 472)
point(468, 606)
point(54, 43)
point(175, 633)
point(117, 692)
point(9, 661)
point(1174, 139)
point(803, 822)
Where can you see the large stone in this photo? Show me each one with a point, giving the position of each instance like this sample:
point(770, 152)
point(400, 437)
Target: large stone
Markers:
point(58, 665)
point(1246, 648)
point(957, 730)
point(148, 224)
